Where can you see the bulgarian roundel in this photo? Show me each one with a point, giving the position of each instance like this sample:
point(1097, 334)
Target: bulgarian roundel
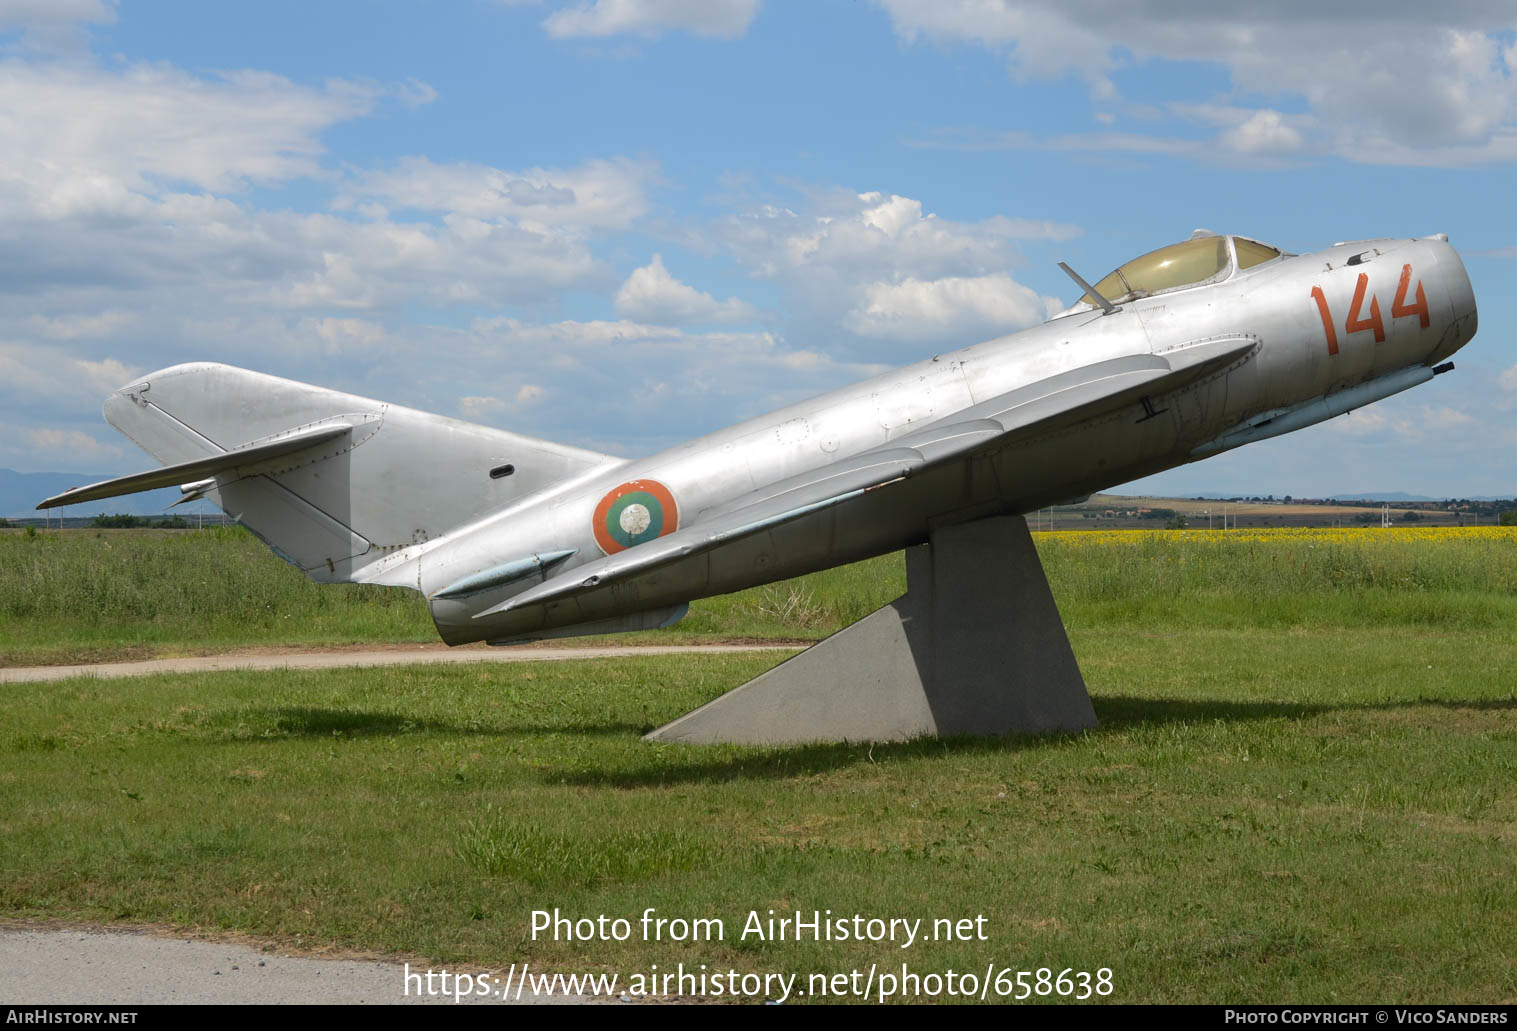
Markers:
point(633, 513)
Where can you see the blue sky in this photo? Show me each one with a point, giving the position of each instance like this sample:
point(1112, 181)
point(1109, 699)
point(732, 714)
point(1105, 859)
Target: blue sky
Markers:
point(622, 223)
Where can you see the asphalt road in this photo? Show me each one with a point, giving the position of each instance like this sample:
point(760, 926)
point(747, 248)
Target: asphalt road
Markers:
point(108, 968)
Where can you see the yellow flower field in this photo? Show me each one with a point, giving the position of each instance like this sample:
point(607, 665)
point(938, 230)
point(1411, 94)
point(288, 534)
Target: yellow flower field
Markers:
point(1372, 536)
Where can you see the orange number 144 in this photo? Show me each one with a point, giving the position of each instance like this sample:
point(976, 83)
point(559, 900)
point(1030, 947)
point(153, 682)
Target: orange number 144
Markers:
point(1358, 321)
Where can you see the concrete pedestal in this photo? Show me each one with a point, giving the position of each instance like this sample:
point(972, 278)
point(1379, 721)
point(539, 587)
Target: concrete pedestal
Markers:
point(974, 646)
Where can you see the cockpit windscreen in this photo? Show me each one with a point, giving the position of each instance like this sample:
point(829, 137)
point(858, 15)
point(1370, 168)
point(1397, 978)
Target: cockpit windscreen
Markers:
point(1203, 259)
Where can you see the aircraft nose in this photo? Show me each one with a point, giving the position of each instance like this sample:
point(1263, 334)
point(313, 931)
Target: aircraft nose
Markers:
point(1466, 319)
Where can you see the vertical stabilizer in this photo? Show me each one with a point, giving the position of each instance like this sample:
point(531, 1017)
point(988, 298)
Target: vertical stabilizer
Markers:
point(398, 476)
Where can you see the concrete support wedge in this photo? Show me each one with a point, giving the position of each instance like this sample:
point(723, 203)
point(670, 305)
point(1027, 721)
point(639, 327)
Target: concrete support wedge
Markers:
point(975, 646)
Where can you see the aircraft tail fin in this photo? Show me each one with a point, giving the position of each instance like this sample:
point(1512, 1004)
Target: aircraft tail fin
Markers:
point(330, 481)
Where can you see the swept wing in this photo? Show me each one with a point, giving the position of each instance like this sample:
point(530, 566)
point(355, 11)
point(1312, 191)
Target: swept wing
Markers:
point(1049, 404)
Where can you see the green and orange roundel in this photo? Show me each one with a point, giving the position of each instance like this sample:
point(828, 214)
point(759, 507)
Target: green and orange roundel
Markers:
point(633, 513)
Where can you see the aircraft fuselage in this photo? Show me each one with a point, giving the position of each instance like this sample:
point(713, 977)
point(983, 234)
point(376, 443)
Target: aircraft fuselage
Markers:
point(1323, 322)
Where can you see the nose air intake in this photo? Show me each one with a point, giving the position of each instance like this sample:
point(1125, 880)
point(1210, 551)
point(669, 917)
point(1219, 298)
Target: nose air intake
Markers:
point(1466, 317)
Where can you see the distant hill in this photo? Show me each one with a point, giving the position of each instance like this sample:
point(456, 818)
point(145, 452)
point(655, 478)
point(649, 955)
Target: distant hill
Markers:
point(1397, 495)
point(20, 492)
point(1382, 495)
point(1377, 496)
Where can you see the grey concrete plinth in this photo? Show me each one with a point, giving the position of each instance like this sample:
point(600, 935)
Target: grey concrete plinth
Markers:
point(974, 646)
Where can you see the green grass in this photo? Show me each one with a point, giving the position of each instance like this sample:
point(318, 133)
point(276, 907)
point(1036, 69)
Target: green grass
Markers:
point(93, 595)
point(97, 595)
point(1304, 786)
point(102, 595)
point(1276, 815)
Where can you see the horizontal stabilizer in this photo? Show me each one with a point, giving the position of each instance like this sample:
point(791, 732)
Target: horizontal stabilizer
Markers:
point(200, 468)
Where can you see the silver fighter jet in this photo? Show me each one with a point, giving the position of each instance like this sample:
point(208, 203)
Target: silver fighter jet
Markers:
point(1182, 353)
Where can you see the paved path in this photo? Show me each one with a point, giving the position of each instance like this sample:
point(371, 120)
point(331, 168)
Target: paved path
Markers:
point(343, 657)
point(106, 968)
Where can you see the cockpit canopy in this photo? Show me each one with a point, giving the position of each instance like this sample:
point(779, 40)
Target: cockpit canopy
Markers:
point(1204, 258)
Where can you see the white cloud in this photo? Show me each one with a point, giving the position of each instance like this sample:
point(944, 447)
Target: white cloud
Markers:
point(207, 250)
point(1410, 425)
point(1362, 422)
point(79, 325)
point(621, 336)
point(58, 447)
point(102, 377)
point(130, 231)
point(488, 409)
point(126, 233)
point(82, 140)
point(1263, 132)
point(50, 12)
point(717, 19)
point(598, 195)
point(118, 180)
point(121, 180)
point(651, 294)
point(1411, 84)
point(55, 26)
point(664, 382)
point(951, 310)
point(1044, 42)
point(876, 264)
point(48, 376)
point(479, 409)
point(873, 235)
point(413, 93)
point(343, 335)
point(1442, 417)
point(1508, 379)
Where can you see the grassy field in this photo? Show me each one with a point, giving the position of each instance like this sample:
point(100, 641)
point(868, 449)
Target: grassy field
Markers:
point(101, 595)
point(1304, 788)
point(97, 595)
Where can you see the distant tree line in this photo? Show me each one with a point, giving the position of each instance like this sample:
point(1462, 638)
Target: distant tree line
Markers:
point(121, 521)
point(1483, 508)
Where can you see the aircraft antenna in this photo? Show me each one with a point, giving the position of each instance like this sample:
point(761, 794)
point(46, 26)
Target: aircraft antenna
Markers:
point(1106, 306)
